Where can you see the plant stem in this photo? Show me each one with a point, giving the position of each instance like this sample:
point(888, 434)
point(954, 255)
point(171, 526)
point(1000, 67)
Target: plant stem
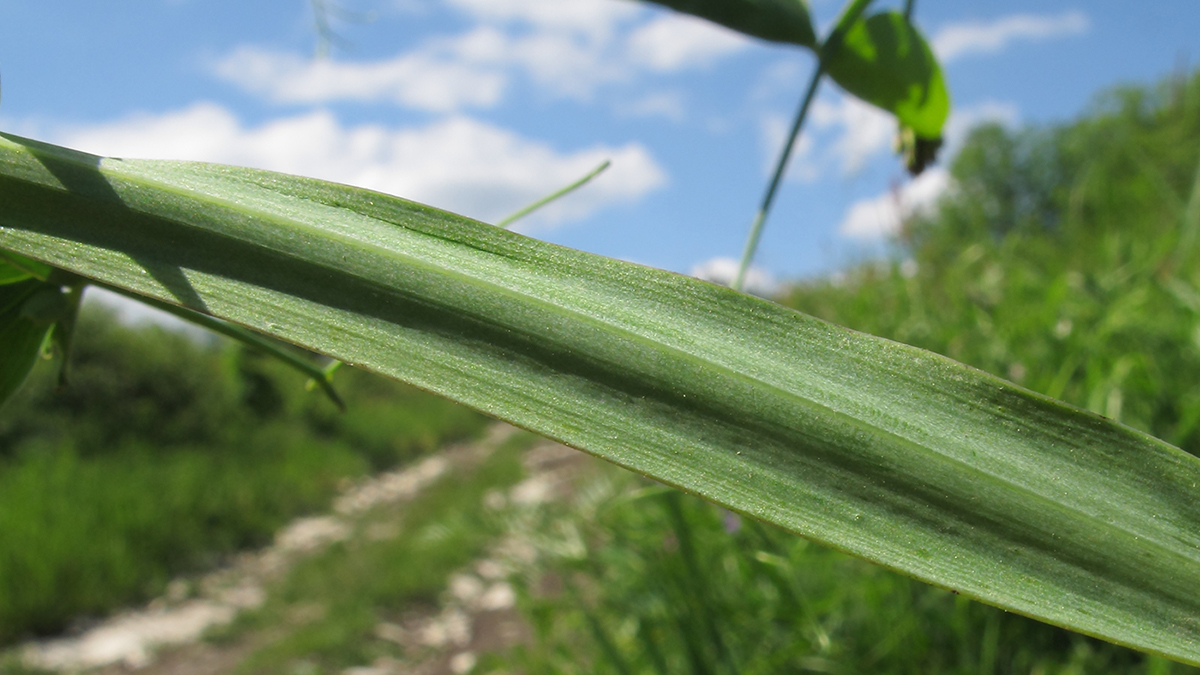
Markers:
point(549, 198)
point(330, 368)
point(850, 14)
point(908, 9)
point(325, 35)
point(699, 587)
point(760, 218)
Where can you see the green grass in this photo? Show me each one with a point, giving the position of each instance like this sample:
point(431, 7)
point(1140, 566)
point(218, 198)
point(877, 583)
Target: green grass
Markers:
point(342, 593)
point(85, 534)
point(666, 583)
point(164, 455)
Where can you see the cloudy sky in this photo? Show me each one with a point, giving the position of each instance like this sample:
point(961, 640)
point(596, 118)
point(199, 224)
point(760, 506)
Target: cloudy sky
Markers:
point(481, 106)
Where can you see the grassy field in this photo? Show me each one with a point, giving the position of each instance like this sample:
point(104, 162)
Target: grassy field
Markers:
point(165, 454)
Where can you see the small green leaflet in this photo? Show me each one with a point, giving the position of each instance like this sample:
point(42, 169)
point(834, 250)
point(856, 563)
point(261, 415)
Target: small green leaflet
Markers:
point(20, 336)
point(885, 61)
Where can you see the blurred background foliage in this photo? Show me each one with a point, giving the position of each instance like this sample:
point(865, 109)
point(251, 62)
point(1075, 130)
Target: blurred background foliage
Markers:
point(167, 452)
point(1064, 259)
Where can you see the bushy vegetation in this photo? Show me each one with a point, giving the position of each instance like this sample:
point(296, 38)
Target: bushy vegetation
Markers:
point(1065, 259)
point(165, 453)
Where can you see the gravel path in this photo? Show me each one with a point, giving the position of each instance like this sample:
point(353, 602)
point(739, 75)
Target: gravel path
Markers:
point(477, 614)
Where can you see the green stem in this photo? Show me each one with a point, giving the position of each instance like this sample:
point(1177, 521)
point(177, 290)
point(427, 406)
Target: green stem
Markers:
point(760, 218)
point(908, 9)
point(549, 198)
point(243, 335)
point(599, 634)
point(699, 587)
point(328, 371)
point(323, 28)
point(849, 15)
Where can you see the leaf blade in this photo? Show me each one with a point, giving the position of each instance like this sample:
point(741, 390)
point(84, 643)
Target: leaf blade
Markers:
point(891, 453)
point(885, 61)
point(20, 338)
point(785, 21)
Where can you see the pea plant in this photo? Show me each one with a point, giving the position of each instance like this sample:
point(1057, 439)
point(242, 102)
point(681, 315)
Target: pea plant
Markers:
point(897, 455)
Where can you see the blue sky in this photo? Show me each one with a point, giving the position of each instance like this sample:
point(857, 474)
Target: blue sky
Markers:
point(480, 106)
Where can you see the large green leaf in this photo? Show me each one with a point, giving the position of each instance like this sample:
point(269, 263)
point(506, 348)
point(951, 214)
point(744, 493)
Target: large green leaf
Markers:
point(894, 454)
point(774, 20)
point(21, 336)
point(884, 60)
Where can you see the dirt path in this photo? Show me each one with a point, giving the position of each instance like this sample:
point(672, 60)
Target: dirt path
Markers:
point(475, 616)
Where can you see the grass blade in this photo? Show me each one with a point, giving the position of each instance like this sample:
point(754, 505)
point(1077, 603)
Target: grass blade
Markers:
point(555, 195)
point(20, 339)
point(888, 452)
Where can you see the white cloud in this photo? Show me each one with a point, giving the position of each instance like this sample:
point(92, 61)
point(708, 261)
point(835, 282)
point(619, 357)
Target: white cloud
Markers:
point(882, 216)
point(564, 65)
point(568, 48)
point(841, 133)
point(595, 18)
point(424, 80)
point(669, 104)
point(673, 42)
point(458, 163)
point(444, 75)
point(723, 270)
point(862, 130)
point(782, 77)
point(974, 37)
